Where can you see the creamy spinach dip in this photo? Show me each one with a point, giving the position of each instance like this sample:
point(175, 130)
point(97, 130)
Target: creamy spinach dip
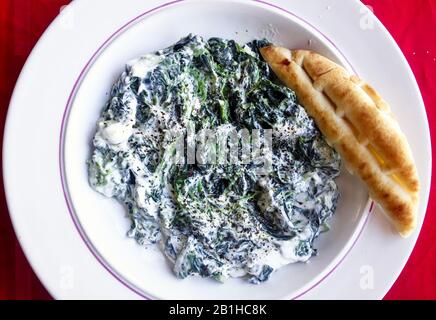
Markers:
point(214, 220)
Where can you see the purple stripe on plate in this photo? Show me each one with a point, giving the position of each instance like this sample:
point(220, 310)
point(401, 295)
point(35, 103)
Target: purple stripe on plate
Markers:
point(67, 197)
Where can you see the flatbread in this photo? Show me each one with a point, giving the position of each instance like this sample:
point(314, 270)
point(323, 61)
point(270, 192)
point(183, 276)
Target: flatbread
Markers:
point(359, 124)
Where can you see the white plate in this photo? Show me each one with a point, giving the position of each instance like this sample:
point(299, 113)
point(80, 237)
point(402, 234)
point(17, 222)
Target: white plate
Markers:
point(70, 65)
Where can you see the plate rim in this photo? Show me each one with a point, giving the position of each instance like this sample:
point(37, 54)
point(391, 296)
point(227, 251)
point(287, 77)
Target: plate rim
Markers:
point(399, 265)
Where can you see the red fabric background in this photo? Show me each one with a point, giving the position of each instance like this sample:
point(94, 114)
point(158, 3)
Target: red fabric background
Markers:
point(411, 22)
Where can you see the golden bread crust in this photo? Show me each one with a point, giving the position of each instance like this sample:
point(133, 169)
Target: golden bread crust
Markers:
point(358, 123)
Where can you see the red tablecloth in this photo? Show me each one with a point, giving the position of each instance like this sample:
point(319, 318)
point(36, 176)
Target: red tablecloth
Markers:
point(411, 22)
